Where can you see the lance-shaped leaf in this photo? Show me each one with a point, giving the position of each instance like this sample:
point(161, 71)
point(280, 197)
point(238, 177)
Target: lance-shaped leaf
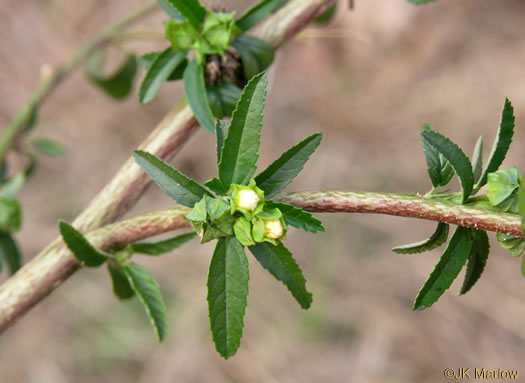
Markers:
point(256, 13)
point(121, 285)
point(501, 144)
point(227, 292)
point(256, 54)
point(148, 292)
point(454, 155)
point(280, 263)
point(282, 171)
point(195, 91)
point(438, 168)
point(447, 269)
point(437, 238)
point(182, 189)
point(297, 217)
point(327, 15)
point(164, 246)
point(477, 260)
point(119, 83)
point(168, 7)
point(9, 253)
point(221, 130)
point(147, 60)
point(223, 98)
point(241, 145)
point(477, 159)
point(48, 147)
point(191, 10)
point(159, 71)
point(84, 251)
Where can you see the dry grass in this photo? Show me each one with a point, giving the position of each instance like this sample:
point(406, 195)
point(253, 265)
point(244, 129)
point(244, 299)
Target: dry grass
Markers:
point(367, 82)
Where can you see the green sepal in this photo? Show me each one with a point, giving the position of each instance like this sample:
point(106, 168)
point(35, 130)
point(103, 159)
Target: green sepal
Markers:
point(218, 30)
point(477, 260)
point(121, 285)
point(163, 246)
point(243, 231)
point(9, 253)
point(227, 295)
point(180, 34)
point(84, 251)
point(149, 294)
point(502, 184)
point(279, 262)
point(211, 219)
point(236, 192)
point(297, 217)
point(447, 269)
point(438, 237)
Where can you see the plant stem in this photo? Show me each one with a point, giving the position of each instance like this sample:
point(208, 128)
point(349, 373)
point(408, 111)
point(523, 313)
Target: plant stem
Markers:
point(49, 81)
point(55, 263)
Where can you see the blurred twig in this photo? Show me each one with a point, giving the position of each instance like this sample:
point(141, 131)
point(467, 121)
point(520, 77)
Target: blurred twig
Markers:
point(49, 80)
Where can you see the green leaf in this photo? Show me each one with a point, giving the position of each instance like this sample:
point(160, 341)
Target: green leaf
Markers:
point(119, 83)
point(477, 260)
point(121, 286)
point(227, 292)
point(10, 215)
point(170, 9)
point(3, 171)
point(521, 204)
point(9, 189)
point(326, 16)
point(182, 189)
point(241, 145)
point(243, 231)
point(159, 71)
point(501, 144)
point(419, 2)
point(516, 245)
point(195, 91)
point(147, 60)
point(9, 253)
point(447, 269)
point(164, 246)
point(148, 292)
point(296, 217)
point(454, 155)
point(221, 130)
point(438, 168)
point(523, 266)
point(502, 184)
point(215, 185)
point(191, 10)
point(256, 13)
point(256, 54)
point(223, 98)
point(84, 251)
point(280, 263)
point(49, 147)
point(437, 238)
point(477, 159)
point(282, 171)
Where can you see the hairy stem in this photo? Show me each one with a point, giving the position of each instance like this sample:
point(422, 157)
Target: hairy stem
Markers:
point(49, 81)
point(55, 264)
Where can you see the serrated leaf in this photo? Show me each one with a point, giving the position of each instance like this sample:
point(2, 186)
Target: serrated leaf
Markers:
point(256, 13)
point(170, 9)
point(118, 84)
point(147, 60)
point(49, 147)
point(502, 185)
point(241, 145)
point(215, 185)
point(159, 71)
point(477, 159)
point(84, 251)
point(223, 98)
point(164, 246)
point(283, 170)
point(501, 144)
point(148, 292)
point(256, 54)
point(227, 292)
point(191, 10)
point(195, 91)
point(326, 16)
point(182, 189)
point(297, 217)
point(221, 130)
point(121, 286)
point(279, 262)
point(438, 168)
point(454, 155)
point(447, 269)
point(9, 253)
point(438, 237)
point(477, 260)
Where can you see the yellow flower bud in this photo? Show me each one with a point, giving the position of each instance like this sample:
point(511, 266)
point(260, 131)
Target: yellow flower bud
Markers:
point(248, 199)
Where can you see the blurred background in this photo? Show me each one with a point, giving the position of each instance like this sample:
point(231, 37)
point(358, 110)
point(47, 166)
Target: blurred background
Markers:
point(367, 81)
